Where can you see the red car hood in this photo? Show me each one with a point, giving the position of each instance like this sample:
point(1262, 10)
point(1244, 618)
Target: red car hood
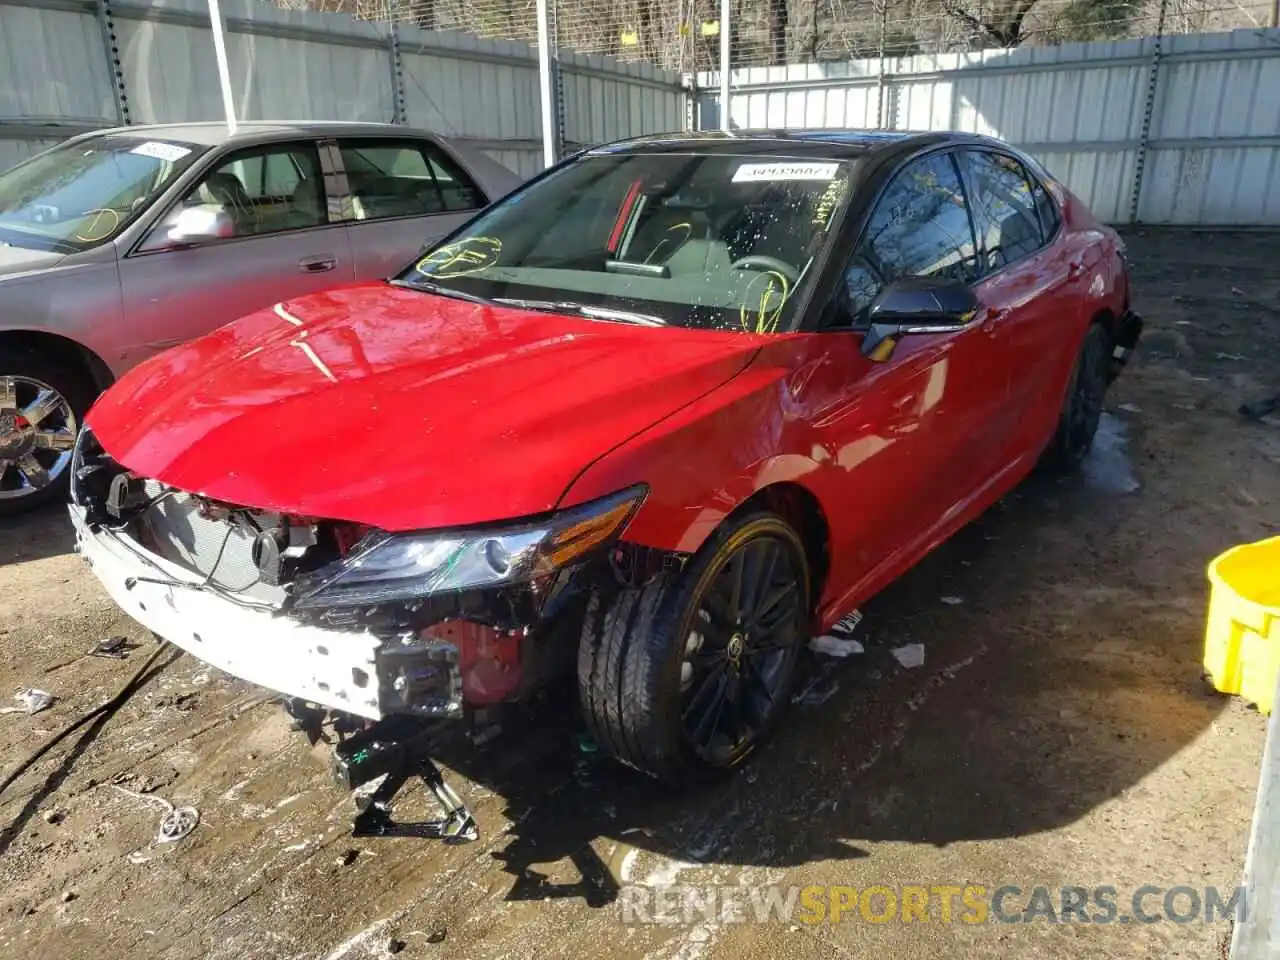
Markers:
point(405, 411)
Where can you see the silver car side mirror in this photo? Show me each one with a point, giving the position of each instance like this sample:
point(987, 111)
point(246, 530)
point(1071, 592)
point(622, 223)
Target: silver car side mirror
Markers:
point(193, 225)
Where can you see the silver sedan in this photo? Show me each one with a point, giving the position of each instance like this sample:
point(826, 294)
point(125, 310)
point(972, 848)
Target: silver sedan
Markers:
point(117, 244)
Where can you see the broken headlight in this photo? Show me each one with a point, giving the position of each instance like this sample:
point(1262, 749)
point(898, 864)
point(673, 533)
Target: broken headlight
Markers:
point(403, 566)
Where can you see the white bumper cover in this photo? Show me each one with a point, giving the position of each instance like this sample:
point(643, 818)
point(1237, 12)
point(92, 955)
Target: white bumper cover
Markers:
point(328, 667)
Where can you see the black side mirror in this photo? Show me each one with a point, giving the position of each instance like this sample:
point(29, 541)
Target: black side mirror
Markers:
point(913, 306)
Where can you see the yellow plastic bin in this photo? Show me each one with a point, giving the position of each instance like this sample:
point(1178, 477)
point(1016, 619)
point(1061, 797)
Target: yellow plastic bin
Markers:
point(1242, 639)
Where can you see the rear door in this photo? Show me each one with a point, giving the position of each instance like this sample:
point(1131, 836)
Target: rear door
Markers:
point(405, 195)
point(1031, 291)
point(281, 242)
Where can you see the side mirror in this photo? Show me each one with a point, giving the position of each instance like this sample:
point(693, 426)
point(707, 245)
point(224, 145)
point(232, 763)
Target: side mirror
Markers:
point(192, 225)
point(915, 306)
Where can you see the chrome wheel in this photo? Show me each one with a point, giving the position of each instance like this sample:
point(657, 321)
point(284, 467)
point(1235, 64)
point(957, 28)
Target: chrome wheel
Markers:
point(37, 432)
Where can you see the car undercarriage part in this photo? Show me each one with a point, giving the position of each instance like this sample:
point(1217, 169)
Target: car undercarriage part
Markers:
point(396, 749)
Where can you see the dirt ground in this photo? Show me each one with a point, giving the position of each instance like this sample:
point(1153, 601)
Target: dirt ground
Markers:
point(1058, 733)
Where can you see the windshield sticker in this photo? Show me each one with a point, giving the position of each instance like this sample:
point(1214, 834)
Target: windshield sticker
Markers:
point(757, 172)
point(461, 258)
point(160, 151)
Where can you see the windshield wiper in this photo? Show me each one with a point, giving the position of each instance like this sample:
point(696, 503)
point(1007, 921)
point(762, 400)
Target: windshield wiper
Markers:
point(583, 310)
point(426, 286)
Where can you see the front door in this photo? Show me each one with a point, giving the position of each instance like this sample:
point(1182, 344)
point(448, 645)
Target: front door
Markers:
point(406, 194)
point(910, 434)
point(278, 243)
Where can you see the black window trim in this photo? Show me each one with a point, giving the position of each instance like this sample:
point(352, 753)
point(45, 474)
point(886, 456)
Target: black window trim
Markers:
point(950, 149)
point(422, 145)
point(1033, 181)
point(213, 160)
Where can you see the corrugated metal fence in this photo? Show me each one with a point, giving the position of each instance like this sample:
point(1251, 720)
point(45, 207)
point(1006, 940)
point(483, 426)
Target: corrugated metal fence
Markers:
point(1176, 129)
point(72, 65)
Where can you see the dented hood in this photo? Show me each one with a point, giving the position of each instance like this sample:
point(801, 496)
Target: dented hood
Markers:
point(402, 410)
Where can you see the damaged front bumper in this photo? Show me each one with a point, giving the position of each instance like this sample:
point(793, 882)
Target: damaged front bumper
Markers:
point(356, 672)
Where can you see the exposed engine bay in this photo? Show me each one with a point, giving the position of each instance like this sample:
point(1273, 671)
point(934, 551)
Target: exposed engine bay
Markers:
point(289, 602)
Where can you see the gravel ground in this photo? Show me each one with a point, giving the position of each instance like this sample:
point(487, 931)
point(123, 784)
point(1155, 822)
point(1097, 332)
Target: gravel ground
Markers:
point(1057, 734)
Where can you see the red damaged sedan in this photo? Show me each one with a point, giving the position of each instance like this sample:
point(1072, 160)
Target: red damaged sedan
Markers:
point(655, 419)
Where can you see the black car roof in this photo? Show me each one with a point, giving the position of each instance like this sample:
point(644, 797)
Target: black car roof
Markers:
point(809, 143)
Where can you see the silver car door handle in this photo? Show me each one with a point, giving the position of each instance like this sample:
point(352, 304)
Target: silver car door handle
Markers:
point(317, 264)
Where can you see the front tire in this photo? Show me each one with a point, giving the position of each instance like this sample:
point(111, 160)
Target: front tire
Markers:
point(685, 677)
point(1082, 406)
point(41, 407)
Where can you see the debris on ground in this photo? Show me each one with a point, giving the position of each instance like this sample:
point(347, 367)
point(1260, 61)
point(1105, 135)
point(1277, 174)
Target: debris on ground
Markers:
point(1230, 356)
point(910, 656)
point(117, 648)
point(483, 735)
point(54, 817)
point(952, 601)
point(30, 701)
point(177, 823)
point(821, 687)
point(1130, 408)
point(1261, 408)
point(834, 646)
point(586, 744)
point(848, 623)
point(436, 936)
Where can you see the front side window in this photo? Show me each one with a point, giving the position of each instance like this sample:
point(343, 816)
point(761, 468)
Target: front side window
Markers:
point(695, 240)
point(79, 195)
point(255, 193)
point(920, 227)
point(1004, 208)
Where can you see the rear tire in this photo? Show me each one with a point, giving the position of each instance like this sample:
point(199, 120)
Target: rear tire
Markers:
point(685, 677)
point(26, 449)
point(1082, 404)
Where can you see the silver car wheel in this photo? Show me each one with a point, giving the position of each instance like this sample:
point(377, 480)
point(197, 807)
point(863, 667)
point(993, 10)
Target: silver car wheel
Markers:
point(37, 433)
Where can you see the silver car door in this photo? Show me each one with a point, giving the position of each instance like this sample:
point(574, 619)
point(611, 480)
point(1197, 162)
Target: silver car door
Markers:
point(256, 230)
point(405, 195)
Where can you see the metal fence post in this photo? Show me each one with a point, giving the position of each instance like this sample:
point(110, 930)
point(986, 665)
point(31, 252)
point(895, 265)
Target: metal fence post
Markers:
point(724, 64)
point(398, 112)
point(219, 29)
point(112, 48)
point(1148, 110)
point(881, 79)
point(546, 87)
point(557, 75)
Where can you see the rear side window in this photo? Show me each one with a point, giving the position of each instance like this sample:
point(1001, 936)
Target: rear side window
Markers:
point(1047, 207)
point(1004, 208)
point(456, 188)
point(390, 179)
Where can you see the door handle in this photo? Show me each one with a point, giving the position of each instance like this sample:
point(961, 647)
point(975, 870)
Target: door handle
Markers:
point(1074, 270)
point(317, 264)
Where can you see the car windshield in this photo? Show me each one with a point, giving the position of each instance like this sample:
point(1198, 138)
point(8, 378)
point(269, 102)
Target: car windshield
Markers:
point(693, 240)
point(78, 195)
